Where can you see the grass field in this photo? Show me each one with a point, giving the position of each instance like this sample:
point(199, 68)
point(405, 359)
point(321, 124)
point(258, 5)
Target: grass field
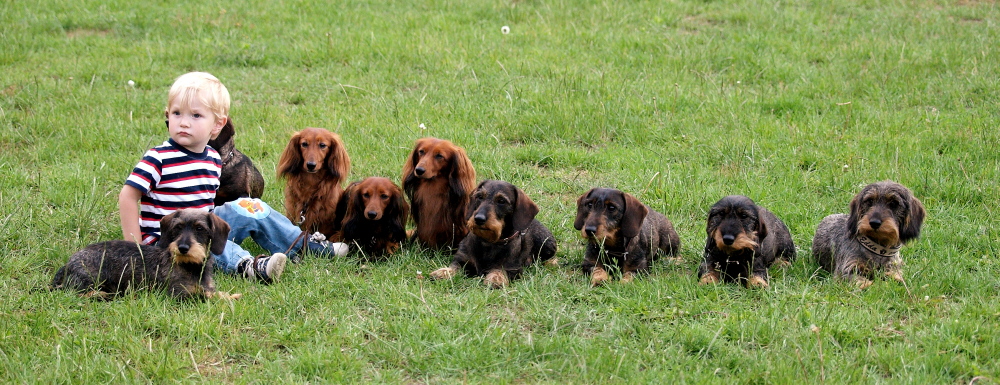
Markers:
point(796, 104)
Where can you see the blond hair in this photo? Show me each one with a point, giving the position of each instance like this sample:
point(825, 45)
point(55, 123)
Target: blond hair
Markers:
point(206, 88)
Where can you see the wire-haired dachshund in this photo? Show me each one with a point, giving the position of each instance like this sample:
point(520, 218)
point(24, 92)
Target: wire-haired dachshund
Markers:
point(622, 234)
point(884, 216)
point(374, 217)
point(316, 164)
point(180, 263)
point(438, 177)
point(239, 178)
point(744, 240)
point(504, 236)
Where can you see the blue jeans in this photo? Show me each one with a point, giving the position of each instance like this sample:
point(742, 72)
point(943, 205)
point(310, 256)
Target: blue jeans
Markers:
point(253, 218)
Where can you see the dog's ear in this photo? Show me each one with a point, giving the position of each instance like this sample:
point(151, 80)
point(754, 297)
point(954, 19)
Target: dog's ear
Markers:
point(761, 227)
point(338, 163)
point(166, 236)
point(581, 212)
point(462, 176)
point(290, 162)
point(855, 215)
point(913, 221)
point(347, 206)
point(635, 213)
point(220, 233)
point(409, 178)
point(525, 211)
point(401, 215)
point(227, 133)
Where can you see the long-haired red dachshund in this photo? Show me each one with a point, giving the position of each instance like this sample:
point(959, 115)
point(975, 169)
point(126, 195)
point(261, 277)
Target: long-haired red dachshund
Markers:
point(438, 178)
point(374, 215)
point(316, 165)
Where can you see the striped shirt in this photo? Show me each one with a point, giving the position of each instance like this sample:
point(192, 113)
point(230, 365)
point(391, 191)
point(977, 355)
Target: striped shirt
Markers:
point(172, 178)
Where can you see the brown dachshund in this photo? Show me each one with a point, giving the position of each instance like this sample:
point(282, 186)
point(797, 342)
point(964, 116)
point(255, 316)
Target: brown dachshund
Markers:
point(316, 164)
point(438, 177)
point(374, 217)
point(744, 239)
point(884, 216)
point(505, 237)
point(622, 234)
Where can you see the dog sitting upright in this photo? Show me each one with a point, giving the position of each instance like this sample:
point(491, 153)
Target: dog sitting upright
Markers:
point(621, 232)
point(884, 216)
point(179, 264)
point(239, 178)
point(744, 239)
point(504, 236)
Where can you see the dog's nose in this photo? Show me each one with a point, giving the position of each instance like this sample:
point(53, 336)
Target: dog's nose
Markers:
point(183, 248)
point(371, 214)
point(480, 219)
point(419, 171)
point(590, 230)
point(728, 239)
point(875, 223)
point(311, 166)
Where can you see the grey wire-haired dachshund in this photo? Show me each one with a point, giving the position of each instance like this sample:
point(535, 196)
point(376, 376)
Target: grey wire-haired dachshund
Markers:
point(179, 264)
point(744, 240)
point(860, 245)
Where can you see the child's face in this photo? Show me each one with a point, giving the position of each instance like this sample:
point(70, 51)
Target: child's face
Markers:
point(192, 126)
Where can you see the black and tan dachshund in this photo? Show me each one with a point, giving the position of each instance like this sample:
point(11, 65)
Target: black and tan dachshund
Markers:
point(743, 241)
point(374, 217)
point(504, 236)
point(239, 178)
point(856, 246)
point(180, 263)
point(622, 234)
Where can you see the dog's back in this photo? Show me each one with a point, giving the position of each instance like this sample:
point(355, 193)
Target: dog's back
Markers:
point(778, 243)
point(113, 267)
point(830, 238)
point(658, 235)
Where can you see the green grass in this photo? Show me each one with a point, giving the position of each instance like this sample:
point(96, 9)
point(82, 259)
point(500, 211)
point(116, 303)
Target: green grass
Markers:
point(796, 104)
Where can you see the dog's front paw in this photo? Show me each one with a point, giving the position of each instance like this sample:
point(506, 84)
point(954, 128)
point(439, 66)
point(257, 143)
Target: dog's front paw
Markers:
point(896, 275)
point(862, 282)
point(627, 277)
point(757, 282)
point(709, 277)
point(598, 277)
point(551, 262)
point(496, 279)
point(444, 273)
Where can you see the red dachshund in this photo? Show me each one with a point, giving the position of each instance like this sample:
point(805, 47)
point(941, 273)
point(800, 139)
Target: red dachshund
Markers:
point(374, 215)
point(315, 164)
point(438, 178)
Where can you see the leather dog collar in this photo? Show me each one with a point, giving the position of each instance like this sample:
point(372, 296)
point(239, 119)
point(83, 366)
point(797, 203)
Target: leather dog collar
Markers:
point(876, 248)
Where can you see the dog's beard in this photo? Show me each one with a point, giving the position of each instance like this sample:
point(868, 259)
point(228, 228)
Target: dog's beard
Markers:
point(196, 254)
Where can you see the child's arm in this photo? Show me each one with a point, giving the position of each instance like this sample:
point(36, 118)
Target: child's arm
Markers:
point(128, 209)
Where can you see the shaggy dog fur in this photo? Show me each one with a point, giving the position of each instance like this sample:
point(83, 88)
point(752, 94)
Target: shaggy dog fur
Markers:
point(438, 177)
point(744, 239)
point(239, 178)
point(505, 237)
point(179, 264)
point(374, 217)
point(860, 245)
point(316, 164)
point(622, 234)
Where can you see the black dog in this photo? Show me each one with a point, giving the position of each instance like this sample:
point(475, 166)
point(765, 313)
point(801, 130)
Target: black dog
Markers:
point(744, 239)
point(180, 263)
point(374, 217)
point(504, 236)
point(239, 178)
point(629, 233)
point(884, 216)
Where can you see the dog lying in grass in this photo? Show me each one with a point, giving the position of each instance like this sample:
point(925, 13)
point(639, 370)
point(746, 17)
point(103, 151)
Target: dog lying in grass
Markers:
point(179, 264)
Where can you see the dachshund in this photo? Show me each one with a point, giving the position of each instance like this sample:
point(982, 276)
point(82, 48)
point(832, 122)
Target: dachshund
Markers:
point(884, 216)
point(180, 263)
point(622, 233)
point(374, 217)
point(239, 178)
point(505, 237)
point(437, 178)
point(744, 240)
point(316, 164)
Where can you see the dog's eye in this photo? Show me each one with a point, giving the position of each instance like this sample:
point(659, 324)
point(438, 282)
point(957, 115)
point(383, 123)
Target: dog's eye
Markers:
point(438, 156)
point(612, 208)
point(501, 201)
point(367, 195)
point(590, 205)
point(199, 228)
point(420, 152)
point(743, 215)
point(385, 196)
point(893, 205)
point(304, 144)
point(322, 145)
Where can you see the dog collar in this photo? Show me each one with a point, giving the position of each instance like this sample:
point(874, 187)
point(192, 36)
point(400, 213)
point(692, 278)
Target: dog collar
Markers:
point(511, 238)
point(876, 248)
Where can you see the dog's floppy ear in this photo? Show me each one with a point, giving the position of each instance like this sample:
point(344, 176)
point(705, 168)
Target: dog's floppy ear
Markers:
point(290, 162)
point(761, 227)
point(581, 213)
point(220, 233)
point(525, 211)
point(401, 212)
point(338, 163)
point(855, 215)
point(166, 236)
point(913, 221)
point(227, 133)
point(635, 213)
point(409, 178)
point(463, 175)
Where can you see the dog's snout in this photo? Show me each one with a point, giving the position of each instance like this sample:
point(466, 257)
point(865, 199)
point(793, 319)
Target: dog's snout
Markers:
point(371, 214)
point(728, 239)
point(875, 223)
point(480, 219)
point(590, 230)
point(311, 165)
point(419, 171)
point(183, 248)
